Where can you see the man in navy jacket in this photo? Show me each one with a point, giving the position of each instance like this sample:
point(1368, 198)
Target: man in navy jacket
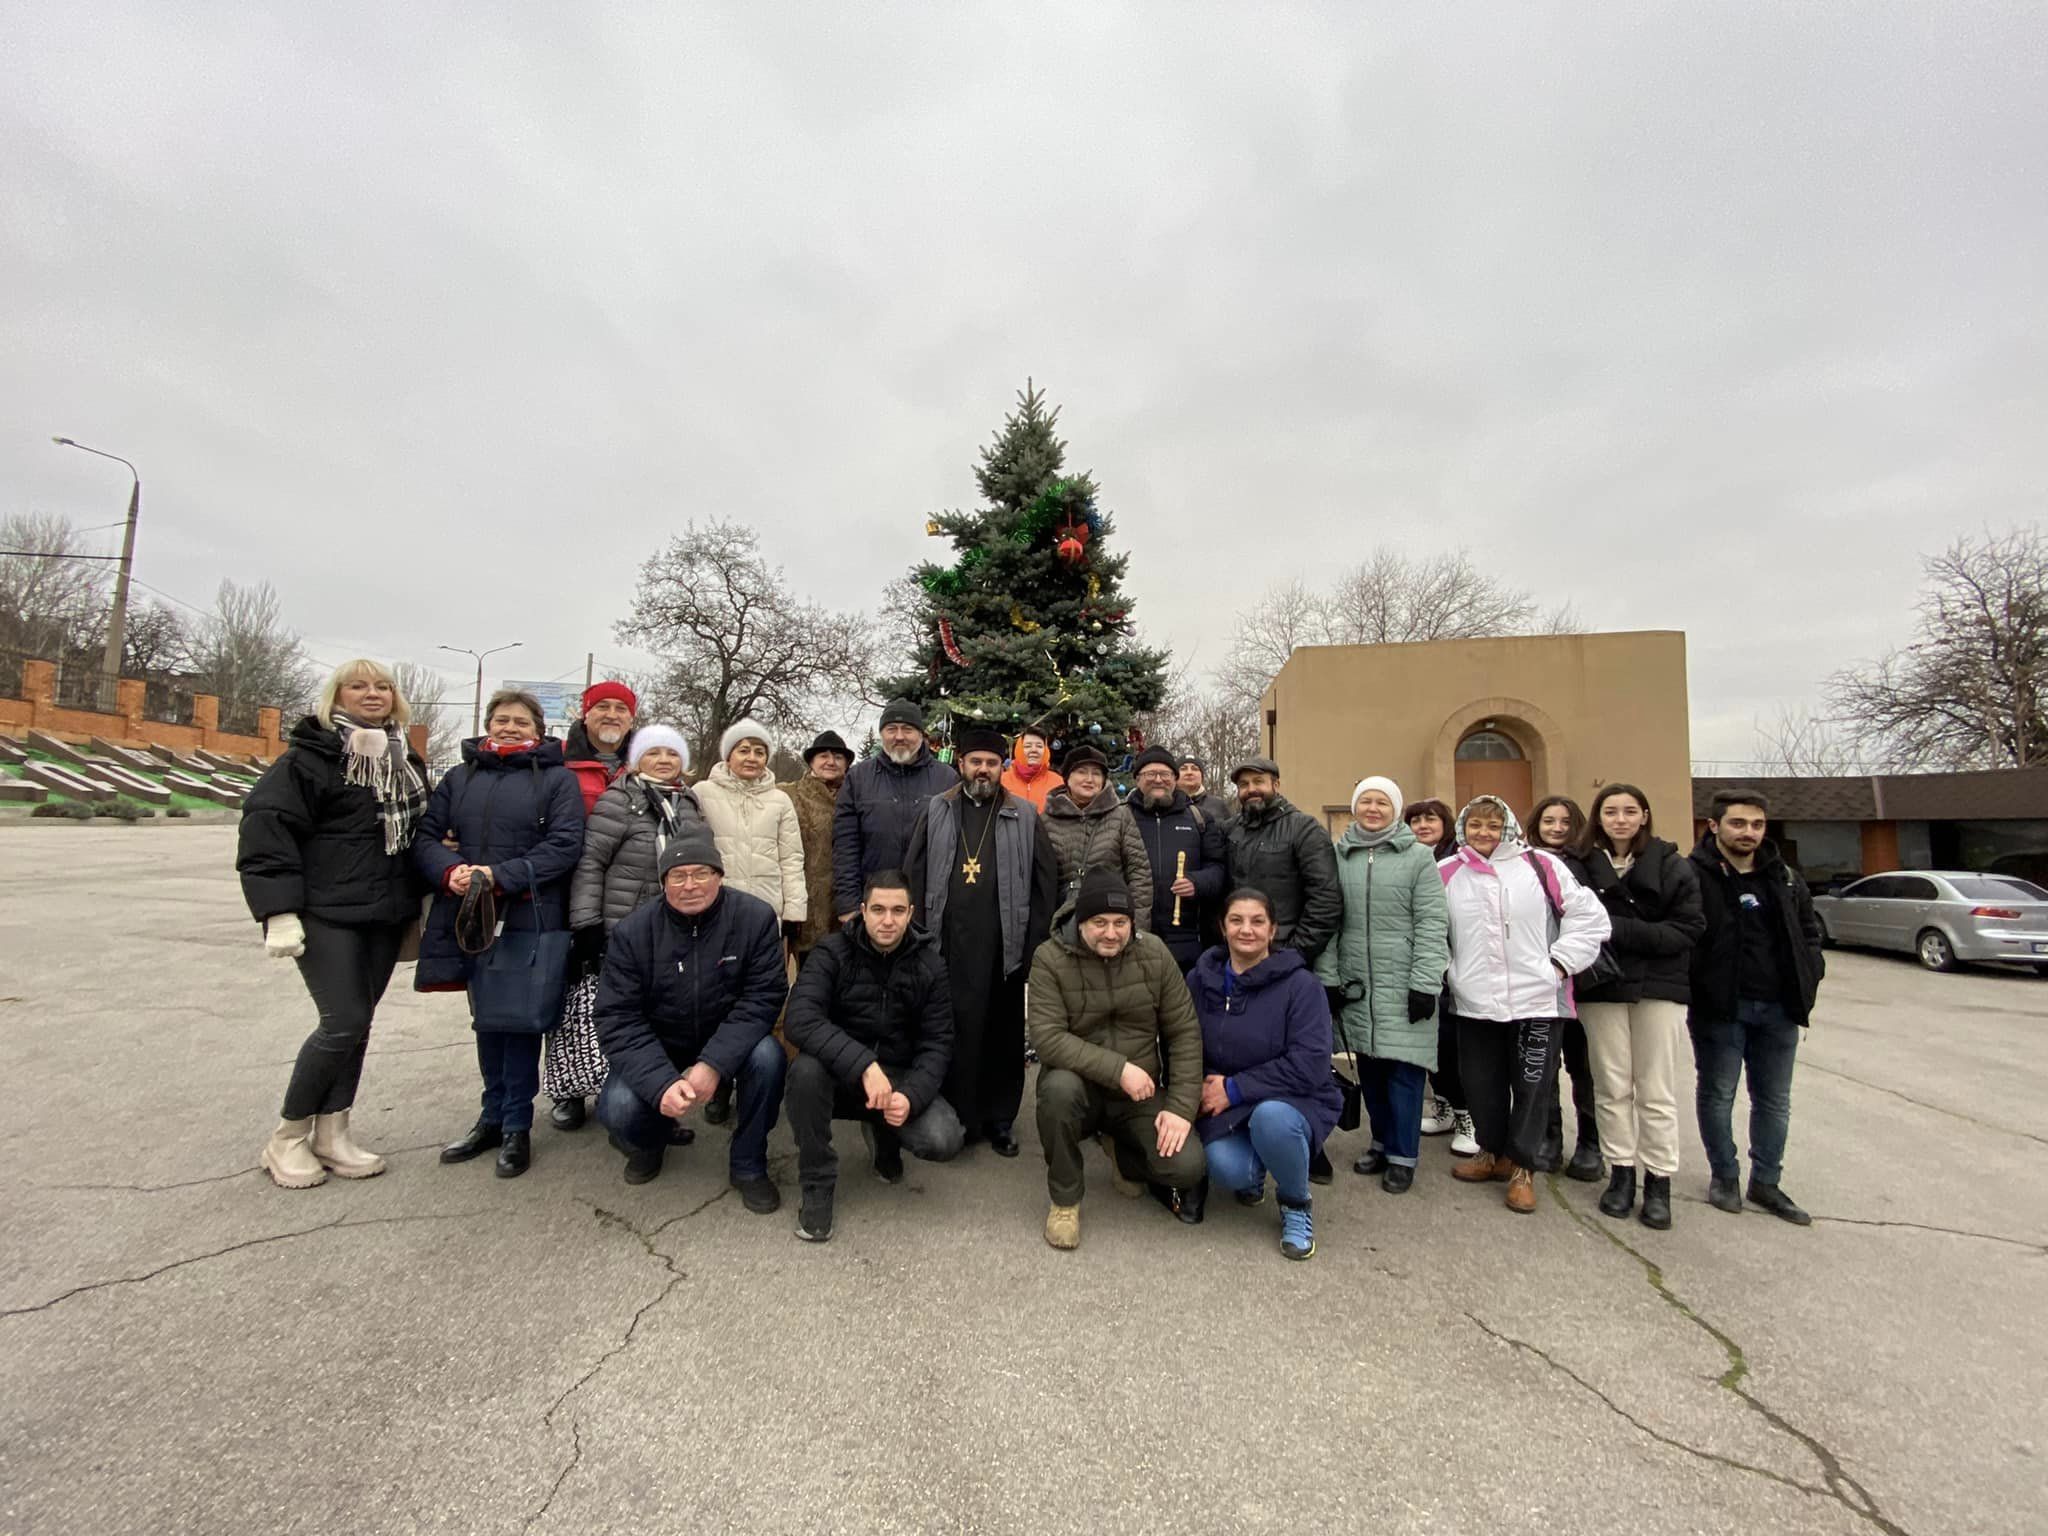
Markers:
point(689, 994)
point(1187, 851)
point(880, 802)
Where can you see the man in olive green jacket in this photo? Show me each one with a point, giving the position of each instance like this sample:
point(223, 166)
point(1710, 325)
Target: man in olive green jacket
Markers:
point(1103, 996)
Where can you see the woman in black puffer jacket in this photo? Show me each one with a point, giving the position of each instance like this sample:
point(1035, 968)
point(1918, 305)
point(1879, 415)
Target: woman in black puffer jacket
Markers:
point(628, 827)
point(1634, 1024)
point(324, 860)
point(515, 814)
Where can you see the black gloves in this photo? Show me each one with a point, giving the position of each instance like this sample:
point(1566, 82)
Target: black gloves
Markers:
point(1420, 1006)
point(586, 951)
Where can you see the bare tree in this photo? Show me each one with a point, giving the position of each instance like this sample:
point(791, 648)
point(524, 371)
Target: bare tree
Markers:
point(1968, 691)
point(156, 644)
point(736, 641)
point(1205, 724)
point(1804, 744)
point(426, 690)
point(247, 656)
point(52, 604)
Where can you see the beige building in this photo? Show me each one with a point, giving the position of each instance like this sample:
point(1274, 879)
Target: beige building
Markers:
point(1520, 717)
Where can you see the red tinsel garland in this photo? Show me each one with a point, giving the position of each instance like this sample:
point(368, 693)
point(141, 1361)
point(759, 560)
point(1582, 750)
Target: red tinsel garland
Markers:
point(952, 647)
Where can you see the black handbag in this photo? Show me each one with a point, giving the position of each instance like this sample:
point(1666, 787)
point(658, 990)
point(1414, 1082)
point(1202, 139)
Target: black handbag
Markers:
point(516, 986)
point(1606, 966)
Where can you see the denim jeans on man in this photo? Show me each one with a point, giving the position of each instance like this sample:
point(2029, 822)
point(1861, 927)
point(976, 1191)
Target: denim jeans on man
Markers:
point(1393, 1106)
point(1763, 1038)
point(1275, 1141)
point(757, 1096)
point(510, 1063)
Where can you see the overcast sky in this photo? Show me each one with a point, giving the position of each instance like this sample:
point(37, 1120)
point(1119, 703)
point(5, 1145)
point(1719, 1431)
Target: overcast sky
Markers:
point(1703, 317)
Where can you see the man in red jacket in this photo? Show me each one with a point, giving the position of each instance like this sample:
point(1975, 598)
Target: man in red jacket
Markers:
point(596, 745)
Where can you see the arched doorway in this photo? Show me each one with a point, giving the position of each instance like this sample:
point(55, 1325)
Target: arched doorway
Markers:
point(1490, 761)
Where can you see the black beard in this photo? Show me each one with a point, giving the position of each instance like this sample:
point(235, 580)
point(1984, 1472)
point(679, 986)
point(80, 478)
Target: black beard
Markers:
point(980, 791)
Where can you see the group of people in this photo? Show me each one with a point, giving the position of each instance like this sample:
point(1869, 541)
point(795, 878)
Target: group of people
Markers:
point(889, 942)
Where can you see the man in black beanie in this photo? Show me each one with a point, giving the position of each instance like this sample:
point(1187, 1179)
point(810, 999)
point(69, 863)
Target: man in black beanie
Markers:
point(1186, 851)
point(880, 802)
point(983, 879)
point(1103, 995)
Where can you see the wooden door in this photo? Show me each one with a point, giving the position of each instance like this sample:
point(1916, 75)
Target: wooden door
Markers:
point(1510, 780)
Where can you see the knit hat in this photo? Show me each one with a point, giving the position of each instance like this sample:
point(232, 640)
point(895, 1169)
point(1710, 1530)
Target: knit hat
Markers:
point(979, 738)
point(1255, 765)
point(613, 689)
point(1102, 891)
point(1083, 757)
point(1195, 763)
point(744, 730)
point(692, 844)
point(657, 736)
point(902, 712)
point(1386, 787)
point(828, 741)
point(1158, 755)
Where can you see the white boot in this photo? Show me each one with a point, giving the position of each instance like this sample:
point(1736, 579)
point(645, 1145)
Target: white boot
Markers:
point(289, 1160)
point(332, 1146)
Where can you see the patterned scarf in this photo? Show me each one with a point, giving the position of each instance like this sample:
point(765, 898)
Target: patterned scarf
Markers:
point(665, 800)
point(374, 756)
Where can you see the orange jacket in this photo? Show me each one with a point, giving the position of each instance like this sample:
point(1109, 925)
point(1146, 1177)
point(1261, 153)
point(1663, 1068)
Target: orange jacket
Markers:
point(1043, 783)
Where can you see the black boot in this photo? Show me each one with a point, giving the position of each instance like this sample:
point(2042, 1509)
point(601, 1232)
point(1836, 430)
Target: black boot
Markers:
point(719, 1110)
point(1373, 1161)
point(1550, 1152)
point(515, 1154)
point(567, 1115)
point(1771, 1198)
point(481, 1138)
point(1191, 1203)
point(1656, 1201)
point(1585, 1163)
point(1319, 1169)
point(1620, 1198)
point(1725, 1195)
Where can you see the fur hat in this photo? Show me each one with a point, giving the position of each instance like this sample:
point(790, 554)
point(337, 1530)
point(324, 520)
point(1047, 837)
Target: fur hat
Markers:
point(657, 736)
point(1085, 757)
point(979, 738)
point(744, 730)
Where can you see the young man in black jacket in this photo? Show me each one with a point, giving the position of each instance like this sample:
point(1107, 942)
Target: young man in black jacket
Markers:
point(871, 1017)
point(1755, 974)
point(690, 989)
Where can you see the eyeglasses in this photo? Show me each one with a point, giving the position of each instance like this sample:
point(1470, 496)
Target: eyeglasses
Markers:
point(695, 875)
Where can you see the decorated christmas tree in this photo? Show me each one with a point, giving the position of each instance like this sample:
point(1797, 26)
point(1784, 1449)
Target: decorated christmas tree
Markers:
point(1028, 623)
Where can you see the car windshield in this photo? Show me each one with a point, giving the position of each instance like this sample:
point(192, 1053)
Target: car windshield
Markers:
point(1998, 888)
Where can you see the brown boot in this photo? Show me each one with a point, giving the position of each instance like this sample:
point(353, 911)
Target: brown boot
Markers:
point(1063, 1226)
point(1487, 1167)
point(1521, 1191)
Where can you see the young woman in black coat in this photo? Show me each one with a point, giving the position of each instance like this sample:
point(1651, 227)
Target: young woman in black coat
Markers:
point(1557, 825)
point(1443, 1110)
point(325, 863)
point(516, 816)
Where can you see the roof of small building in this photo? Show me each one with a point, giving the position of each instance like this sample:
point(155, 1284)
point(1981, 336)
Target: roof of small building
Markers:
point(1991, 794)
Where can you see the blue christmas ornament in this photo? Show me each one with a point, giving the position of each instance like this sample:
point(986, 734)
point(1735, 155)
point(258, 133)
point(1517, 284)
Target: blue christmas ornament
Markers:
point(1094, 730)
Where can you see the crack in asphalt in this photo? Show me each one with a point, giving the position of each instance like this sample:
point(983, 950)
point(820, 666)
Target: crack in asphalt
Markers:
point(1939, 1109)
point(250, 1242)
point(1840, 1485)
point(1921, 1226)
point(575, 1456)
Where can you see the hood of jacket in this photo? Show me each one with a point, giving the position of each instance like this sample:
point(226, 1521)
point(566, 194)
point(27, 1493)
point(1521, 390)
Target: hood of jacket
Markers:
point(1399, 838)
point(313, 736)
point(732, 783)
point(547, 755)
point(1707, 854)
point(1512, 843)
point(1061, 804)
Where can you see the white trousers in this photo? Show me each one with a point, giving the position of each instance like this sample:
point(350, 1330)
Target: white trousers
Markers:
point(1634, 1050)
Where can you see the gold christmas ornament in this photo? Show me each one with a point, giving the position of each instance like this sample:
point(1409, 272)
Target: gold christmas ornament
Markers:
point(932, 528)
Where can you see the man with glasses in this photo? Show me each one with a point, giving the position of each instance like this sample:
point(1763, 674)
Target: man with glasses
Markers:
point(691, 987)
point(1186, 850)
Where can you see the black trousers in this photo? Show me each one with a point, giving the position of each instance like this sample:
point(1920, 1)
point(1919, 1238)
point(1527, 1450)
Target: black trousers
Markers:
point(1449, 1081)
point(1510, 1073)
point(346, 970)
point(1578, 1065)
point(813, 1099)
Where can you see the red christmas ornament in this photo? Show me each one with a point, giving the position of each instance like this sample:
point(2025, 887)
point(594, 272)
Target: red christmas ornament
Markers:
point(1137, 739)
point(1070, 550)
point(952, 647)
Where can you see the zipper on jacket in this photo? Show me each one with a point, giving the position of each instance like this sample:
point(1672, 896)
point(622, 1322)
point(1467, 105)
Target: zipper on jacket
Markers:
point(1372, 1022)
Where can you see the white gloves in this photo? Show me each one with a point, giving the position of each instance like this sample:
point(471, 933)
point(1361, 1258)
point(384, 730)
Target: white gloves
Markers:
point(284, 936)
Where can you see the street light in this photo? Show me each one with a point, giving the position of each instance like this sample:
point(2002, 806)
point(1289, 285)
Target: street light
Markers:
point(117, 622)
point(476, 713)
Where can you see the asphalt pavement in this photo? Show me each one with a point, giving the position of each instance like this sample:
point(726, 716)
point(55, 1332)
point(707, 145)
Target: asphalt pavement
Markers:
point(188, 1348)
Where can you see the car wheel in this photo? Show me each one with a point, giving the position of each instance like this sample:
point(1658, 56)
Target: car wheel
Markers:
point(1934, 950)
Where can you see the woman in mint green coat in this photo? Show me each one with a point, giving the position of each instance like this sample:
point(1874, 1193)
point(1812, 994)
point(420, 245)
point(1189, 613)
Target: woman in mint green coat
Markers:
point(1384, 971)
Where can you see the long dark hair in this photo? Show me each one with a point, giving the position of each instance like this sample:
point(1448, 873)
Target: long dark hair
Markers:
point(1575, 829)
point(1596, 835)
point(1446, 817)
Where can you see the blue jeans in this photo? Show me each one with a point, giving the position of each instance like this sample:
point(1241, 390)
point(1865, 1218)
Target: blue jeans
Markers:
point(757, 1098)
point(511, 1067)
point(1763, 1038)
point(1393, 1105)
point(1276, 1141)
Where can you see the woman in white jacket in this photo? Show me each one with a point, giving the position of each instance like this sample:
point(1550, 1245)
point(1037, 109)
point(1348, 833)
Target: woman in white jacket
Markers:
point(754, 824)
point(1521, 927)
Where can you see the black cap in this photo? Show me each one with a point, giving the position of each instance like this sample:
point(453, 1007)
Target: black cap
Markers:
point(979, 738)
point(828, 741)
point(1193, 762)
point(902, 712)
point(1081, 757)
point(1159, 755)
point(1102, 891)
point(1264, 765)
point(694, 844)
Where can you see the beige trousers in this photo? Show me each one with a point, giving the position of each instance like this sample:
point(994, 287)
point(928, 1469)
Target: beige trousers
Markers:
point(1634, 1050)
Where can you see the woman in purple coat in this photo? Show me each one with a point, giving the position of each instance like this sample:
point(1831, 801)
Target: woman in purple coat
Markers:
point(1268, 1099)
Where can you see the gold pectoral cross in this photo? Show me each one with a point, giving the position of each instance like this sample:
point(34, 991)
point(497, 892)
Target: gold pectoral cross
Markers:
point(971, 868)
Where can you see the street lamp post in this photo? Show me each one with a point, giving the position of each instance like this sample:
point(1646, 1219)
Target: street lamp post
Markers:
point(117, 622)
point(476, 712)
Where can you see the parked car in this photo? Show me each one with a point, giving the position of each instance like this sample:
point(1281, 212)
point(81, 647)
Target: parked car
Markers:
point(1945, 917)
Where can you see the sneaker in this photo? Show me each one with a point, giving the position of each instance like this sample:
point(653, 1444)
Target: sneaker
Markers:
point(758, 1194)
point(1464, 1140)
point(887, 1153)
point(1297, 1230)
point(1063, 1226)
point(643, 1164)
point(1438, 1117)
point(814, 1216)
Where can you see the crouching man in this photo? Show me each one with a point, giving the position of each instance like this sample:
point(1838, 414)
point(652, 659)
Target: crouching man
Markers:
point(689, 992)
point(871, 1018)
point(1103, 996)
